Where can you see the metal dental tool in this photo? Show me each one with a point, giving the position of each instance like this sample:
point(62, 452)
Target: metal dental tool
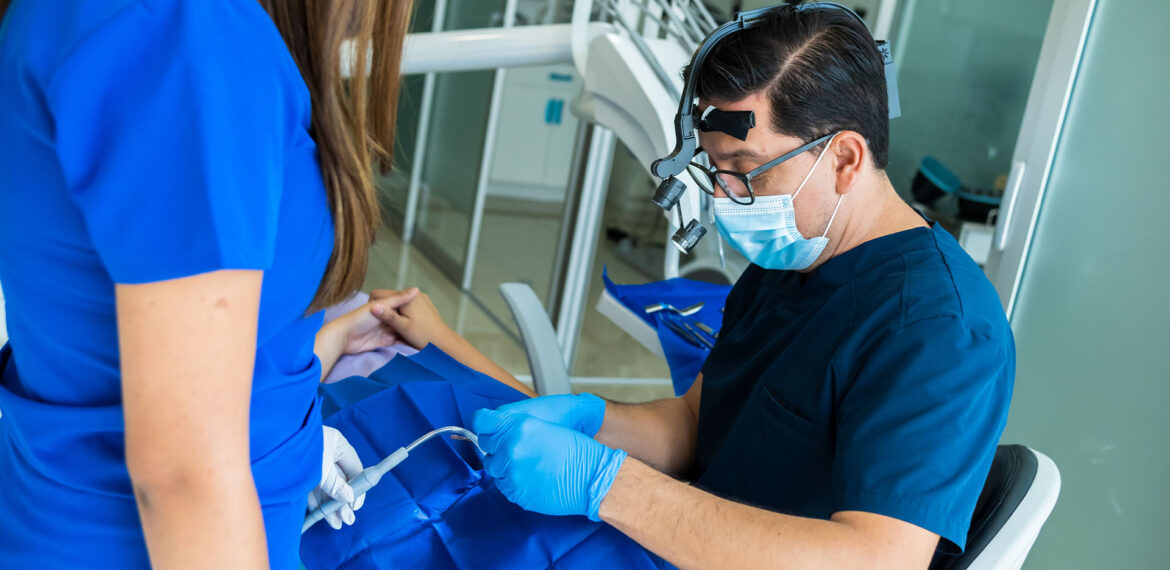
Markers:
point(371, 475)
point(703, 327)
point(687, 324)
point(692, 338)
point(686, 312)
point(677, 321)
point(683, 326)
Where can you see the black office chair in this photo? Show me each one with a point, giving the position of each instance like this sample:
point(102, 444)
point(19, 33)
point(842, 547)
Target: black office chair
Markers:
point(1017, 498)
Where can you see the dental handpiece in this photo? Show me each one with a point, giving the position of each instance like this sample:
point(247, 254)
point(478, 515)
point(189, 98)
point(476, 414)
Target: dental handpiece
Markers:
point(370, 476)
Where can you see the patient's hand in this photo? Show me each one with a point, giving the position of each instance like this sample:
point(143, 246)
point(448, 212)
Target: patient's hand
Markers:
point(357, 331)
point(416, 321)
point(361, 331)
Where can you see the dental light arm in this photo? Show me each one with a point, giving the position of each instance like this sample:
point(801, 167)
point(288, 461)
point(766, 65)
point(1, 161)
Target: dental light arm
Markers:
point(372, 475)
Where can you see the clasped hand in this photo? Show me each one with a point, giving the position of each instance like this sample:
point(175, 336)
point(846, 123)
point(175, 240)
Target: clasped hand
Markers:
point(390, 316)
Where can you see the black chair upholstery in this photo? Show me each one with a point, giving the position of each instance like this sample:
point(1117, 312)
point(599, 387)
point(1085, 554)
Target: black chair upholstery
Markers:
point(1012, 472)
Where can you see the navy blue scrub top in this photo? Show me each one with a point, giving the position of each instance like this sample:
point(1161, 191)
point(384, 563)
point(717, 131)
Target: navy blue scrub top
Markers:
point(879, 382)
point(145, 141)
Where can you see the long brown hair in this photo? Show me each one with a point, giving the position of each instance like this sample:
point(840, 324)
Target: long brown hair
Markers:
point(353, 120)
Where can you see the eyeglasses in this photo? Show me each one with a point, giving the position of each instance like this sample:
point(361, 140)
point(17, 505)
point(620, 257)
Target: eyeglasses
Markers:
point(738, 185)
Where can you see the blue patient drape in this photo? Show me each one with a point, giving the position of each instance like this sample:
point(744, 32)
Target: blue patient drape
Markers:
point(685, 360)
point(436, 509)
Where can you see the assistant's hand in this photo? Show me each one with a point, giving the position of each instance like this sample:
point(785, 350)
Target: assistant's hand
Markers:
point(582, 412)
point(417, 321)
point(544, 467)
point(339, 464)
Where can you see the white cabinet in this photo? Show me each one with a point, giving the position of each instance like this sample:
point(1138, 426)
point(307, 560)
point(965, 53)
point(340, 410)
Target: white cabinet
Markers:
point(535, 134)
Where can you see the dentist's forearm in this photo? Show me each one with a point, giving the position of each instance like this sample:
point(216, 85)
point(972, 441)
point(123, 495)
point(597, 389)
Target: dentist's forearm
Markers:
point(661, 433)
point(694, 529)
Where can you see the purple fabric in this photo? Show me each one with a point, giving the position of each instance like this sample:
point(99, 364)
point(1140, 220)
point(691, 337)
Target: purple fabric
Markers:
point(365, 363)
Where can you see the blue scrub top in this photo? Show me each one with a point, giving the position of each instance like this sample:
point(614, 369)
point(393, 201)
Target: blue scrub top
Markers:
point(145, 141)
point(880, 382)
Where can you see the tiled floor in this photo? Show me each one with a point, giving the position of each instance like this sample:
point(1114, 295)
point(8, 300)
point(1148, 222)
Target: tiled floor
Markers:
point(520, 247)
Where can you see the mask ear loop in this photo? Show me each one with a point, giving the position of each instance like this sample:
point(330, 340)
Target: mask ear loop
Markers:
point(814, 166)
point(834, 216)
point(709, 201)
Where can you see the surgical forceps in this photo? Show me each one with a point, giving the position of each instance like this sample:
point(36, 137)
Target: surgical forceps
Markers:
point(683, 326)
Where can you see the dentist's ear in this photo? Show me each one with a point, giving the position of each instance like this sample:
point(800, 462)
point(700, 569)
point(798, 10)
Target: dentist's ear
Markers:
point(851, 158)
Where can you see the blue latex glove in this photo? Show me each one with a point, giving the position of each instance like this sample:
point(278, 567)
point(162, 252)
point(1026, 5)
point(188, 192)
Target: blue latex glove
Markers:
point(544, 467)
point(583, 412)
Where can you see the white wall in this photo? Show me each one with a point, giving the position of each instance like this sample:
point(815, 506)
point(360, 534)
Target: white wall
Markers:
point(1092, 320)
point(964, 75)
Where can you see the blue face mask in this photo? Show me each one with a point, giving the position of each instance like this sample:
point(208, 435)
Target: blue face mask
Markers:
point(765, 231)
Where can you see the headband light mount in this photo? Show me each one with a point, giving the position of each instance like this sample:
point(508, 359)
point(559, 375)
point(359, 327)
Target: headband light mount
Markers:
point(733, 123)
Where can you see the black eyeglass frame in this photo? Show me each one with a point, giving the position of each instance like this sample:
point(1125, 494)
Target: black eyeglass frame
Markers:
point(746, 177)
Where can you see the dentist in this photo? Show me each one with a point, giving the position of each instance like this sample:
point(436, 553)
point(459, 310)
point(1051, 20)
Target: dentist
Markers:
point(848, 415)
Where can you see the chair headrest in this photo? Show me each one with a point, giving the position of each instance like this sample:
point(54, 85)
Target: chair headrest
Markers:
point(1012, 473)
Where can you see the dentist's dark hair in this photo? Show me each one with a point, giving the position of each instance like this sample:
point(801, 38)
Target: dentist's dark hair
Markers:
point(819, 69)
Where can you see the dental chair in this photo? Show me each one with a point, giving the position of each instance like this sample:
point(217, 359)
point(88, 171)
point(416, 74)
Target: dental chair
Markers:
point(545, 356)
point(1017, 498)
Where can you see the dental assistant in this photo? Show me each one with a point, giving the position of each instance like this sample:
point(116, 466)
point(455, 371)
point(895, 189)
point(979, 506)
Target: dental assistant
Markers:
point(184, 185)
point(848, 414)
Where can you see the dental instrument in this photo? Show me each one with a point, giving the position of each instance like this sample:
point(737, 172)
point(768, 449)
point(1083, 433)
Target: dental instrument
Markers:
point(682, 333)
point(707, 329)
point(688, 325)
point(682, 326)
point(372, 475)
point(686, 311)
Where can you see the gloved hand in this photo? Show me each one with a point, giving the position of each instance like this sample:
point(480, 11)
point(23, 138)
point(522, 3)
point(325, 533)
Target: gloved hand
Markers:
point(583, 412)
point(544, 467)
point(339, 464)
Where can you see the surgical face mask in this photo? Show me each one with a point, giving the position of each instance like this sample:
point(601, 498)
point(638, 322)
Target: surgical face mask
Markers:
point(765, 231)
